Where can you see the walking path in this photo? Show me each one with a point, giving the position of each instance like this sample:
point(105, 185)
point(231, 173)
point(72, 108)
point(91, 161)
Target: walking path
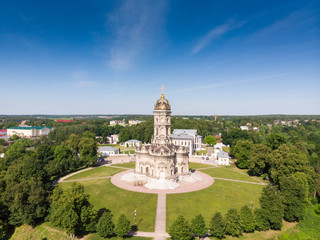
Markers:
point(183, 188)
point(84, 179)
point(233, 180)
point(160, 228)
point(160, 222)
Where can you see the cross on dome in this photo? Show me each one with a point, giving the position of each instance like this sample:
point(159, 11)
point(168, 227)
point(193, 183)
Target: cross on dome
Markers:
point(162, 88)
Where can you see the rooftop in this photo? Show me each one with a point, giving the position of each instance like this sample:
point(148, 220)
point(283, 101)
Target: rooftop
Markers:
point(107, 148)
point(185, 131)
point(28, 128)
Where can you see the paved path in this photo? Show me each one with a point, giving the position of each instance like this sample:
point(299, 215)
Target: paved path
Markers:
point(71, 174)
point(233, 180)
point(183, 188)
point(84, 179)
point(160, 228)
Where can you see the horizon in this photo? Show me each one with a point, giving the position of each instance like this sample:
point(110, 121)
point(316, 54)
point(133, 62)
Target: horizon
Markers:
point(231, 58)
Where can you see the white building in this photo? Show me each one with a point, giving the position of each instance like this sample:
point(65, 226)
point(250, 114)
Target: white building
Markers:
point(187, 138)
point(162, 159)
point(132, 143)
point(135, 122)
point(118, 122)
point(28, 131)
point(114, 139)
point(244, 128)
point(223, 158)
point(106, 151)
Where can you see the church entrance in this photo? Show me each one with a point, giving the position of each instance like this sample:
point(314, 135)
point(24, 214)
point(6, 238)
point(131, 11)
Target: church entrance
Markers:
point(162, 175)
point(147, 171)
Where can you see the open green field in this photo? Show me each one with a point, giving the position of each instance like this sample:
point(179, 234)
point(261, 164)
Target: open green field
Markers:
point(223, 172)
point(266, 235)
point(126, 165)
point(95, 236)
point(96, 172)
point(193, 165)
point(103, 194)
point(43, 231)
point(47, 232)
point(308, 228)
point(220, 196)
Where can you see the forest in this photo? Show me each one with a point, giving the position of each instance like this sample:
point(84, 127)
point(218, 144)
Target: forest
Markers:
point(288, 157)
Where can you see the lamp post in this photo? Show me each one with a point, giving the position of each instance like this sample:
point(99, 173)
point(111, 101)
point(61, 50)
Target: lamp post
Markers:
point(135, 217)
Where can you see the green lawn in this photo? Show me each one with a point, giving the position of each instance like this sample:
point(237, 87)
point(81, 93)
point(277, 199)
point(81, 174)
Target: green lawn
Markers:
point(43, 231)
point(96, 172)
point(220, 196)
point(265, 235)
point(193, 165)
point(95, 236)
point(308, 228)
point(103, 194)
point(223, 172)
point(126, 165)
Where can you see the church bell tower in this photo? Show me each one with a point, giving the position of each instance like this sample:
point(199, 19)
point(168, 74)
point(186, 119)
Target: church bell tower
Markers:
point(162, 121)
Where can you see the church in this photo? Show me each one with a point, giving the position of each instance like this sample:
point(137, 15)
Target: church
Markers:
point(162, 159)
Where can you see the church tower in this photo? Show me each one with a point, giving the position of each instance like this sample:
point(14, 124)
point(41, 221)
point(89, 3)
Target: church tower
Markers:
point(161, 159)
point(162, 122)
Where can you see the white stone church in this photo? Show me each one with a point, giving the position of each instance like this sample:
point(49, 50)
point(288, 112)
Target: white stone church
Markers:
point(162, 159)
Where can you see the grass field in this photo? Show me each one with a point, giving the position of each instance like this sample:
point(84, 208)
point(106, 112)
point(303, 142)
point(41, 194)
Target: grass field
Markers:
point(103, 194)
point(223, 172)
point(265, 235)
point(126, 165)
point(96, 172)
point(43, 231)
point(220, 196)
point(308, 228)
point(193, 165)
point(46, 232)
point(95, 236)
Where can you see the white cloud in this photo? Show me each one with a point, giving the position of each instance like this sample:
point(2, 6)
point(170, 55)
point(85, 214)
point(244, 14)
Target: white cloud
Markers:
point(136, 25)
point(81, 79)
point(215, 33)
point(84, 83)
point(225, 84)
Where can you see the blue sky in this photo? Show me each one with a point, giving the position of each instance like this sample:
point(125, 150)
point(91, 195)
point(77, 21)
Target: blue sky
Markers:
point(111, 57)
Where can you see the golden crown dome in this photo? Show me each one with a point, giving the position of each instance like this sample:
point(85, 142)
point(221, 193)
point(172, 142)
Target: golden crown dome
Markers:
point(162, 103)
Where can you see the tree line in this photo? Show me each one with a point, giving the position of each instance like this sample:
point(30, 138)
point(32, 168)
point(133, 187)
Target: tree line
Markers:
point(28, 171)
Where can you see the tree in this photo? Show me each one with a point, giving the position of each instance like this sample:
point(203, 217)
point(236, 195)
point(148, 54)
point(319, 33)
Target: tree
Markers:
point(210, 140)
point(217, 226)
point(123, 226)
point(271, 207)
point(233, 223)
point(262, 222)
point(105, 226)
point(287, 160)
point(294, 191)
point(73, 143)
point(26, 200)
point(198, 226)
point(71, 209)
point(248, 222)
point(180, 229)
point(241, 151)
point(274, 140)
point(258, 162)
point(88, 150)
